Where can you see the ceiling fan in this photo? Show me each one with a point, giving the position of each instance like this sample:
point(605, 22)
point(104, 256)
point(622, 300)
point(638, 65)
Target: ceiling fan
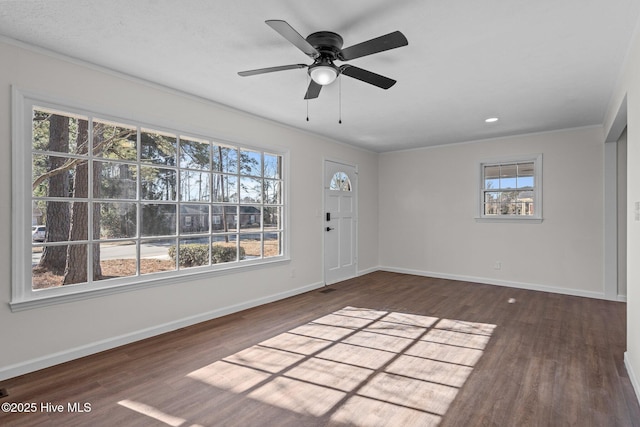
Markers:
point(325, 47)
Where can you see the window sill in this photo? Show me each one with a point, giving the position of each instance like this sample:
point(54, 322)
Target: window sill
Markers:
point(512, 219)
point(44, 300)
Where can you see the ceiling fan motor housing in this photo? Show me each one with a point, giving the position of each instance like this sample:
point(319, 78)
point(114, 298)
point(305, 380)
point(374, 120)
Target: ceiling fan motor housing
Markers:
point(327, 43)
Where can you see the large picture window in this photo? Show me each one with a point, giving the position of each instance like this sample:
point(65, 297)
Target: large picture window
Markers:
point(114, 202)
point(511, 189)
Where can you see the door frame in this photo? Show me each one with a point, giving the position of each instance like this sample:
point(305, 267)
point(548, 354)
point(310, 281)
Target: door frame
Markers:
point(611, 206)
point(324, 210)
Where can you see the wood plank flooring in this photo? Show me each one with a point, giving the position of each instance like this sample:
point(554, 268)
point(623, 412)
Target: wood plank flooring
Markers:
point(551, 360)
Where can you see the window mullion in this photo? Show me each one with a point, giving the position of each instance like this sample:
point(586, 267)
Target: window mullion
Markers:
point(138, 200)
point(90, 202)
point(116, 185)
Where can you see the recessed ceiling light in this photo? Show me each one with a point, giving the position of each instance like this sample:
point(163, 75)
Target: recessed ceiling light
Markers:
point(491, 120)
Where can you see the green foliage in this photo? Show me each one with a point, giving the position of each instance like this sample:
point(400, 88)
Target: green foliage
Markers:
point(158, 148)
point(225, 253)
point(195, 254)
point(121, 141)
point(117, 220)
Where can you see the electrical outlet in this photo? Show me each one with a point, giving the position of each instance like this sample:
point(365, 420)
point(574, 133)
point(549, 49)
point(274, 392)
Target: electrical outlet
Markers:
point(497, 265)
point(292, 273)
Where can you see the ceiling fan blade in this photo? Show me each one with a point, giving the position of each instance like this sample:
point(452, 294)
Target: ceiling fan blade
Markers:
point(379, 44)
point(367, 76)
point(287, 31)
point(313, 90)
point(270, 69)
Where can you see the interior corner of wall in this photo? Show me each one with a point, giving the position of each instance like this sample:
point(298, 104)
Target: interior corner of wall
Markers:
point(617, 121)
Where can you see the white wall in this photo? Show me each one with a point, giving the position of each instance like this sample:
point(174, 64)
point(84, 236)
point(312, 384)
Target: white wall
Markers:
point(625, 109)
point(40, 337)
point(428, 203)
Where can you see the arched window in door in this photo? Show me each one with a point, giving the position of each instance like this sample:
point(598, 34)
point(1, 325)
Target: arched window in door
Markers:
point(340, 182)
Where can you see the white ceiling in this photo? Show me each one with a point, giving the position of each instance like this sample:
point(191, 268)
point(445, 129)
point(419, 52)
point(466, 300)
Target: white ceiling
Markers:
point(537, 65)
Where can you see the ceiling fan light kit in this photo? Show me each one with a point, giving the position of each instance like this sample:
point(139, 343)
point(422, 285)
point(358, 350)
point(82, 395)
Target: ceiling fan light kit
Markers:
point(325, 47)
point(323, 74)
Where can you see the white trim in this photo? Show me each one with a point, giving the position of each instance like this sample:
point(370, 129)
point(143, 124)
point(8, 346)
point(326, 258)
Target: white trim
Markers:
point(496, 282)
point(537, 188)
point(505, 218)
point(367, 271)
point(619, 122)
point(22, 295)
point(21, 197)
point(82, 293)
point(21, 368)
point(610, 223)
point(143, 121)
point(32, 365)
point(632, 375)
point(494, 139)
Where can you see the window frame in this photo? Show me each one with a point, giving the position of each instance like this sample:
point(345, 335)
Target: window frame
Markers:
point(23, 296)
point(537, 217)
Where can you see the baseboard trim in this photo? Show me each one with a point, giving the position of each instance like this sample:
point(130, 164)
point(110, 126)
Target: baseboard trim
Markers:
point(496, 282)
point(47, 361)
point(632, 376)
point(367, 271)
point(98, 346)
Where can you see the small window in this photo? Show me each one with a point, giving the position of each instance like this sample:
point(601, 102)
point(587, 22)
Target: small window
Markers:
point(340, 182)
point(511, 189)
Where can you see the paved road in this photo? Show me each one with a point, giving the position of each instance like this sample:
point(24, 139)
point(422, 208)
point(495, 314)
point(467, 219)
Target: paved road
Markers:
point(123, 251)
point(159, 251)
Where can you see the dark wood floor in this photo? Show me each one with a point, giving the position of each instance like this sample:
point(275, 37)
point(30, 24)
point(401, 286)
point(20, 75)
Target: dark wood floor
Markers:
point(552, 360)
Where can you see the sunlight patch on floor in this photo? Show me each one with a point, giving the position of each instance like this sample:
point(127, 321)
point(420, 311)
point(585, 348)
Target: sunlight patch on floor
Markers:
point(358, 366)
point(155, 413)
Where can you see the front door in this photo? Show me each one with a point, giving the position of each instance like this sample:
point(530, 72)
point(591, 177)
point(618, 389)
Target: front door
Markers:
point(339, 221)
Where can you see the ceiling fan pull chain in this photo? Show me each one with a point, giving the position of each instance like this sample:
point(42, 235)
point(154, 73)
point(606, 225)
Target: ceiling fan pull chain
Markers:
point(340, 101)
point(307, 99)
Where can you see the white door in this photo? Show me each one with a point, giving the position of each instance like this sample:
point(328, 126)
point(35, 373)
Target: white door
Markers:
point(339, 222)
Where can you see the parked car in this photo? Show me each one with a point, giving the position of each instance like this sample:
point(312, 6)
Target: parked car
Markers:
point(37, 233)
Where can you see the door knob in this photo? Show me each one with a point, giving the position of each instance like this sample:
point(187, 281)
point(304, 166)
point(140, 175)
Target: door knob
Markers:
point(329, 228)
